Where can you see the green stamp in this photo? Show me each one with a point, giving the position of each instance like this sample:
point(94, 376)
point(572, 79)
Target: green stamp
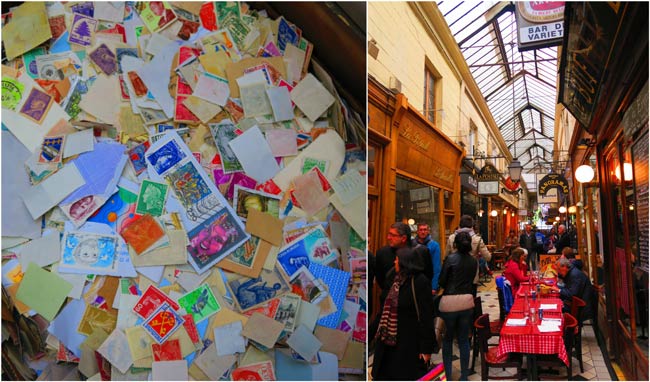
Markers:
point(12, 93)
point(200, 303)
point(151, 199)
point(310, 163)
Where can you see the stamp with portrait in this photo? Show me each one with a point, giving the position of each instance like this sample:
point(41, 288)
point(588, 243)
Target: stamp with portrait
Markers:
point(105, 59)
point(57, 26)
point(151, 199)
point(166, 157)
point(81, 209)
point(89, 251)
point(36, 105)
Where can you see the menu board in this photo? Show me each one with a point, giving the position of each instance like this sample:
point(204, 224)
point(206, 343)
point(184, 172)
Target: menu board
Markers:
point(640, 157)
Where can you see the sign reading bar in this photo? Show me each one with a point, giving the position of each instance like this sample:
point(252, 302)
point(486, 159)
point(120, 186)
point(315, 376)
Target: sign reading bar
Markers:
point(539, 24)
point(553, 181)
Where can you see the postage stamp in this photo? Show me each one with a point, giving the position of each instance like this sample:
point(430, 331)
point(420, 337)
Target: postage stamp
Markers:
point(52, 149)
point(223, 132)
point(288, 311)
point(156, 15)
point(89, 251)
point(151, 299)
point(163, 322)
point(80, 210)
point(82, 30)
point(268, 309)
point(151, 199)
point(170, 350)
point(191, 329)
point(262, 371)
point(250, 292)
point(247, 198)
point(138, 85)
point(105, 59)
point(95, 318)
point(200, 303)
point(166, 157)
point(152, 116)
point(214, 239)
point(85, 8)
point(286, 35)
point(304, 284)
point(136, 157)
point(57, 26)
point(36, 105)
point(187, 183)
point(245, 255)
point(143, 233)
point(12, 93)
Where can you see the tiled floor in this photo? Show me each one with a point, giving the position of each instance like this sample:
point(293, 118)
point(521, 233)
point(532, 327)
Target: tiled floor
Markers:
point(593, 360)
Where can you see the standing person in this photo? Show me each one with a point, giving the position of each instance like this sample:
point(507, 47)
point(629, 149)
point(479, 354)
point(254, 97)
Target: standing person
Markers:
point(404, 341)
point(563, 239)
point(457, 302)
point(479, 251)
point(399, 236)
point(528, 241)
point(513, 270)
point(423, 238)
point(511, 242)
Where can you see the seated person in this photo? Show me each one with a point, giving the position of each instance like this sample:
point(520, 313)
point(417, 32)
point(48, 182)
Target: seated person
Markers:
point(523, 265)
point(512, 270)
point(576, 283)
point(567, 252)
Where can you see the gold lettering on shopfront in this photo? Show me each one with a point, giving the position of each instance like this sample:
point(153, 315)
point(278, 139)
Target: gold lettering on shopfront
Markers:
point(414, 137)
point(444, 174)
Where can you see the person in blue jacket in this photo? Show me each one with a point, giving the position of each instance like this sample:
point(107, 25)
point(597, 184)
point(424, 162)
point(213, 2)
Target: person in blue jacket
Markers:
point(423, 238)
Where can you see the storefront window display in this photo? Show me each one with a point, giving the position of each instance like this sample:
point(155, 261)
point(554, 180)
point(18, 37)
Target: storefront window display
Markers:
point(419, 202)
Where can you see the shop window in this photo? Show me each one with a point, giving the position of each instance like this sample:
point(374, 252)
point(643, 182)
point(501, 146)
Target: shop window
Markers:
point(417, 203)
point(373, 163)
point(431, 92)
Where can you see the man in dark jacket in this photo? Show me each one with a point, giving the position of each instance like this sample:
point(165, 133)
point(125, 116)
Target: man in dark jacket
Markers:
point(576, 283)
point(528, 241)
point(564, 240)
point(431, 257)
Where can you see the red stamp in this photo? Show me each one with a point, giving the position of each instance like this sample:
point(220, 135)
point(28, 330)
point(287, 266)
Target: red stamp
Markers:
point(170, 350)
point(191, 329)
point(151, 299)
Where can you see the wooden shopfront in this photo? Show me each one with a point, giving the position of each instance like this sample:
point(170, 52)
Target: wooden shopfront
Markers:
point(415, 169)
point(614, 113)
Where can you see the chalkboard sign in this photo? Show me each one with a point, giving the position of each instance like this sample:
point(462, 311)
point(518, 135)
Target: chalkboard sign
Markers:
point(640, 157)
point(636, 114)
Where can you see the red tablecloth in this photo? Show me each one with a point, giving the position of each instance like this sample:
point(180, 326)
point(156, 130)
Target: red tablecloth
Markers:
point(528, 339)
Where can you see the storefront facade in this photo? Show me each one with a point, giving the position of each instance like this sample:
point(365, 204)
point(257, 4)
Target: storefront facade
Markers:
point(415, 167)
point(614, 118)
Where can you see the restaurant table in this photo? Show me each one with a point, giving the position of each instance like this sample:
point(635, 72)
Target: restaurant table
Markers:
point(528, 339)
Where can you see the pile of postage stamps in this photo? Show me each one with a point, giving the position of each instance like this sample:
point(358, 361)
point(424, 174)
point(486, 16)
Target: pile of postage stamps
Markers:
point(183, 197)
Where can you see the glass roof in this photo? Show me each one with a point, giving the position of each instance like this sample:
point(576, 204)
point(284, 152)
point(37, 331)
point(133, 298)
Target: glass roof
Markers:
point(519, 87)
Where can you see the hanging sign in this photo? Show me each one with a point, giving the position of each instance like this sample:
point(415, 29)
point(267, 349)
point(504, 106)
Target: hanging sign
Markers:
point(488, 180)
point(553, 181)
point(511, 187)
point(539, 24)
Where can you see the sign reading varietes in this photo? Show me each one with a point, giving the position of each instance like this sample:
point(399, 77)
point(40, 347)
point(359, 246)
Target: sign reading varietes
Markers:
point(539, 23)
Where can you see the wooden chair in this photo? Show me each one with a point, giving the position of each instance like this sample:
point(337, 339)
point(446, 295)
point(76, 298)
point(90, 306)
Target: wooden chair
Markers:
point(495, 329)
point(552, 361)
point(499, 259)
point(577, 305)
point(488, 353)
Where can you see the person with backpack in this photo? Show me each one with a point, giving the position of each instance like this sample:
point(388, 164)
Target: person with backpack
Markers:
point(423, 239)
point(479, 251)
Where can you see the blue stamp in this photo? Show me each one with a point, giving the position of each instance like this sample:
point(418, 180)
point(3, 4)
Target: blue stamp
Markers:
point(286, 35)
point(136, 157)
point(188, 184)
point(163, 322)
point(166, 157)
point(89, 251)
point(82, 30)
point(249, 292)
point(293, 257)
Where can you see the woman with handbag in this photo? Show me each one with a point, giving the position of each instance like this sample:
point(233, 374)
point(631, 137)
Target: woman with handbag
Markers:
point(457, 302)
point(404, 340)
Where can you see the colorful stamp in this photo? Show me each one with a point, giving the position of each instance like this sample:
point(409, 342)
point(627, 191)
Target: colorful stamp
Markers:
point(268, 309)
point(223, 132)
point(245, 255)
point(200, 303)
point(213, 239)
point(163, 322)
point(151, 199)
point(82, 30)
point(166, 157)
point(80, 210)
point(141, 234)
point(95, 318)
point(170, 350)
point(187, 183)
point(89, 252)
point(192, 330)
point(286, 35)
point(85, 8)
point(305, 285)
point(139, 87)
point(136, 157)
point(288, 311)
point(247, 199)
point(250, 292)
point(151, 299)
point(105, 59)
point(36, 105)
point(262, 371)
point(121, 52)
point(52, 149)
point(156, 15)
point(12, 93)
point(57, 26)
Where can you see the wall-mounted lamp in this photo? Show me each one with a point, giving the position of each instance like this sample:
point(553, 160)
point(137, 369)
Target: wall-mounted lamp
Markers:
point(480, 213)
point(411, 221)
point(512, 214)
point(562, 210)
point(505, 211)
point(573, 209)
point(627, 171)
point(494, 213)
point(557, 218)
point(585, 173)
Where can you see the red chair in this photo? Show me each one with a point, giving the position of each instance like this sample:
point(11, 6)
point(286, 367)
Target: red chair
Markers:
point(495, 329)
point(577, 305)
point(552, 361)
point(489, 353)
